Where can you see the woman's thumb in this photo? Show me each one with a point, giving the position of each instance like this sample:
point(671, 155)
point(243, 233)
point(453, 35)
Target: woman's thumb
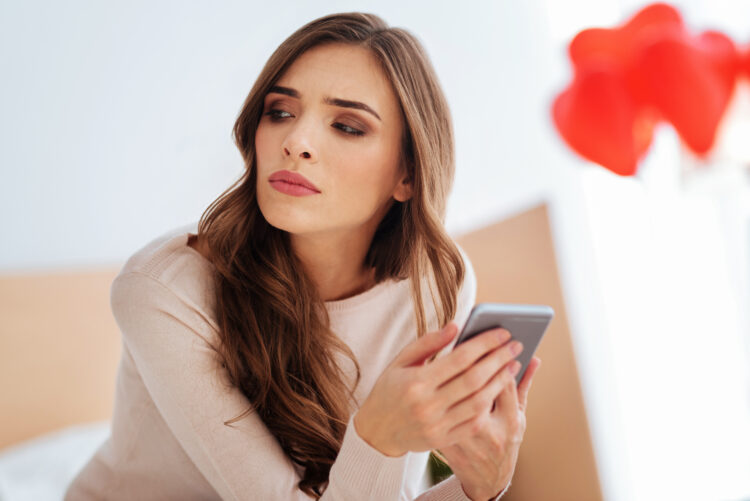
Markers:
point(418, 351)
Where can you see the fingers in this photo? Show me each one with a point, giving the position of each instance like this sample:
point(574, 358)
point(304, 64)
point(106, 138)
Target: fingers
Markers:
point(465, 355)
point(507, 401)
point(525, 384)
point(416, 352)
point(474, 378)
point(467, 414)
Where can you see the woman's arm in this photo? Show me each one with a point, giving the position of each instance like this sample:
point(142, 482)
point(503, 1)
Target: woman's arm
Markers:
point(170, 342)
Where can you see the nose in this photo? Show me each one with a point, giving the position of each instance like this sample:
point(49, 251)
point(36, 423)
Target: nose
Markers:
point(297, 145)
point(303, 153)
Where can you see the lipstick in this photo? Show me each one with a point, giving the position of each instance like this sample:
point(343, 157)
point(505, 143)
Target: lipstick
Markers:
point(292, 183)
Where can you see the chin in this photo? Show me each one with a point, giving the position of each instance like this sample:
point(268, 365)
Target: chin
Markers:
point(284, 224)
point(286, 213)
point(286, 219)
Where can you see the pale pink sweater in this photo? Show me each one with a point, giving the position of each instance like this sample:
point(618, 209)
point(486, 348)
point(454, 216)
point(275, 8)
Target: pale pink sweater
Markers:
point(168, 440)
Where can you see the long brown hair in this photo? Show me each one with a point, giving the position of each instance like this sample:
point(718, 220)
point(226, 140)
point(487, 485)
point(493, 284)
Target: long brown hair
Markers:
point(277, 346)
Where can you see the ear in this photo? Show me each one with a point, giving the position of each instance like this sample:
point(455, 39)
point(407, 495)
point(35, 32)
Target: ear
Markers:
point(403, 191)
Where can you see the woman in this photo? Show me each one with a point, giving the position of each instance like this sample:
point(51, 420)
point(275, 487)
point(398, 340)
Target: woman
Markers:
point(282, 351)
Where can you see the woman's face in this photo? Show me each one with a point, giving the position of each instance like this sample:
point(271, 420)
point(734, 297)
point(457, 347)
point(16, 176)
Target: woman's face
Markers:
point(333, 118)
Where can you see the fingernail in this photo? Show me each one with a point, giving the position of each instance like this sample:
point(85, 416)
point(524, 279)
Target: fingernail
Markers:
point(516, 367)
point(516, 347)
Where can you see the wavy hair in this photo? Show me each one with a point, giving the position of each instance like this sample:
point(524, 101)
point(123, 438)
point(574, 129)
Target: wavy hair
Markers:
point(280, 351)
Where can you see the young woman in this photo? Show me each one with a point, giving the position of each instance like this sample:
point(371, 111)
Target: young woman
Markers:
point(291, 348)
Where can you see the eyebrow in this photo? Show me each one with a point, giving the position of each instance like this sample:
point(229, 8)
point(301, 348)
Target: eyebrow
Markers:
point(343, 103)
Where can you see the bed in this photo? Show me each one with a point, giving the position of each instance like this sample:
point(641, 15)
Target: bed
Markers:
point(41, 468)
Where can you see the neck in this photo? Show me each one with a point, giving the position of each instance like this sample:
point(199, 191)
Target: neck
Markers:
point(335, 263)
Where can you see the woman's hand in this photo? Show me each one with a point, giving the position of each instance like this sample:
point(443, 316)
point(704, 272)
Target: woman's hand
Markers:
point(415, 406)
point(485, 462)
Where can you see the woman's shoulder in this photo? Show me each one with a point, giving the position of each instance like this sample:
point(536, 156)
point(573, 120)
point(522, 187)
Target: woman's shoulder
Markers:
point(167, 265)
point(160, 255)
point(199, 245)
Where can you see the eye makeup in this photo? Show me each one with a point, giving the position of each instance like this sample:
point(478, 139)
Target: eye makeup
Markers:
point(277, 115)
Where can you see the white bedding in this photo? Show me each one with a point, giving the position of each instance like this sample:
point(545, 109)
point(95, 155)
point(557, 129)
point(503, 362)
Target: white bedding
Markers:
point(40, 469)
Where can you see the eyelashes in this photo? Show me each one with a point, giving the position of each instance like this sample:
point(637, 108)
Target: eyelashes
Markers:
point(348, 130)
point(275, 116)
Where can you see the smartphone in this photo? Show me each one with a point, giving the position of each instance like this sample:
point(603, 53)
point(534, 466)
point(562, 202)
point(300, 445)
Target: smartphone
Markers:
point(525, 322)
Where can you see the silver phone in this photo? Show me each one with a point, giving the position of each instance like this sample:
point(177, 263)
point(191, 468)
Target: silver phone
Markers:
point(525, 322)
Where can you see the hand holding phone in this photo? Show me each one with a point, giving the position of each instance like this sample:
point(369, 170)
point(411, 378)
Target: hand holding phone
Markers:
point(526, 323)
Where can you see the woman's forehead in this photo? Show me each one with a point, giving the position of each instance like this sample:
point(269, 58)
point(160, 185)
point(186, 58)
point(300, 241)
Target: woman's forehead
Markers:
point(341, 71)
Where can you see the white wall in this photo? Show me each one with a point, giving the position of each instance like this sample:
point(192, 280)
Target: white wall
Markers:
point(115, 123)
point(116, 117)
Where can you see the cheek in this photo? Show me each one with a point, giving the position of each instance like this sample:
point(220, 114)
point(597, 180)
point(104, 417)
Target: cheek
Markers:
point(364, 177)
point(263, 165)
point(264, 145)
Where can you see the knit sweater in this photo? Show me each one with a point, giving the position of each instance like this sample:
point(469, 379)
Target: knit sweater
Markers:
point(168, 439)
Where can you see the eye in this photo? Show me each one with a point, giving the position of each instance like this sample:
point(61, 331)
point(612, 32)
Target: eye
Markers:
point(274, 114)
point(348, 130)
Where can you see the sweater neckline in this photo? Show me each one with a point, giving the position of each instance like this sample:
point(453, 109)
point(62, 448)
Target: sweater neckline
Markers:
point(365, 297)
point(332, 306)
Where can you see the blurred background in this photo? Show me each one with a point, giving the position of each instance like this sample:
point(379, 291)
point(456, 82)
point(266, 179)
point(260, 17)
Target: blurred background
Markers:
point(115, 122)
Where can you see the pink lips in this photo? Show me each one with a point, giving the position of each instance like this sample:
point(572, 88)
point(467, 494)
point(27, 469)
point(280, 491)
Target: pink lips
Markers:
point(292, 183)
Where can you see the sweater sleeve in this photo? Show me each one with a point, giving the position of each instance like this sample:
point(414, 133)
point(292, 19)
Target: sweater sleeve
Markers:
point(171, 344)
point(450, 490)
